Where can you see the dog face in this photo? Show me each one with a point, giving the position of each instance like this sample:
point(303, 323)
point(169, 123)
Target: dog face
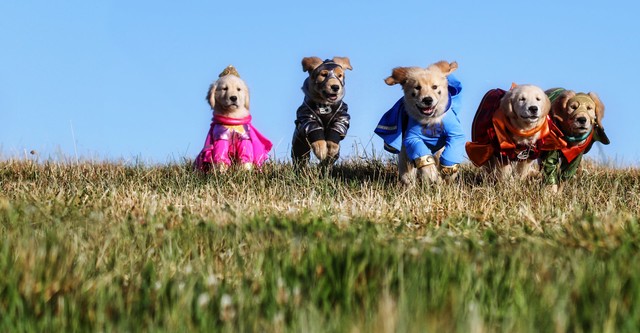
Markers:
point(325, 84)
point(229, 94)
point(526, 106)
point(426, 93)
point(576, 114)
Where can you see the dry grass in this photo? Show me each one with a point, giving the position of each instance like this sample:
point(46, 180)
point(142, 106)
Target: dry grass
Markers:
point(104, 246)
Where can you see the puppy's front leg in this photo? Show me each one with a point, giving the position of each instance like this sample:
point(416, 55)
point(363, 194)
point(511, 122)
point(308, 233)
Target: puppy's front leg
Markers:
point(524, 169)
point(320, 149)
point(333, 151)
point(449, 173)
point(406, 169)
point(503, 172)
point(427, 169)
point(551, 188)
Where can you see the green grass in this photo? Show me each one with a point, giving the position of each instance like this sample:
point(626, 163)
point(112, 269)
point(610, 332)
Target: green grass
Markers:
point(108, 247)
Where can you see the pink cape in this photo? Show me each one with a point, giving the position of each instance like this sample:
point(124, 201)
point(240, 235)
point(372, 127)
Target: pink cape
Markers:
point(261, 145)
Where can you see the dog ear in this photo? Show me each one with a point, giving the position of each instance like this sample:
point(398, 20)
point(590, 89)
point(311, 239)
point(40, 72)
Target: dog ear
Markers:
point(211, 94)
point(445, 67)
point(506, 103)
point(599, 108)
point(343, 62)
point(310, 63)
point(564, 98)
point(398, 75)
point(559, 107)
point(246, 97)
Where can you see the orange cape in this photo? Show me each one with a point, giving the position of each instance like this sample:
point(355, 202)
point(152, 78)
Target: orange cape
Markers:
point(501, 143)
point(571, 152)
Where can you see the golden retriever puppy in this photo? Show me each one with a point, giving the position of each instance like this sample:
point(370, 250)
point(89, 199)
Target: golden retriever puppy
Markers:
point(231, 137)
point(322, 120)
point(229, 96)
point(424, 123)
point(511, 129)
point(579, 117)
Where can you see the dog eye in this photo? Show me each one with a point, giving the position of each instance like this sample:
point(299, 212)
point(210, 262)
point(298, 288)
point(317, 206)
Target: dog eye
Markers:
point(522, 99)
point(574, 106)
point(538, 99)
point(239, 89)
point(418, 87)
point(225, 88)
point(589, 107)
point(434, 87)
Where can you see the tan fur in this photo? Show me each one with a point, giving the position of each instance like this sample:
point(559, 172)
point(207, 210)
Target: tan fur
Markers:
point(320, 149)
point(222, 93)
point(424, 89)
point(310, 63)
point(321, 91)
point(420, 84)
point(517, 105)
point(599, 108)
point(343, 61)
point(567, 110)
point(332, 149)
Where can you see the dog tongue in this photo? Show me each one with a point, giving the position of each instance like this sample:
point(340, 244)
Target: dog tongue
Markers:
point(427, 111)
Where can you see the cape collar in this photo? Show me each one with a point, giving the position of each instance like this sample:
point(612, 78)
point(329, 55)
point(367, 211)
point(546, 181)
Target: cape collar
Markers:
point(500, 117)
point(219, 119)
point(572, 151)
point(550, 136)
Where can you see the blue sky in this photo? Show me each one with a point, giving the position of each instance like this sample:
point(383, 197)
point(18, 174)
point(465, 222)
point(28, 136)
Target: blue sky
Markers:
point(126, 80)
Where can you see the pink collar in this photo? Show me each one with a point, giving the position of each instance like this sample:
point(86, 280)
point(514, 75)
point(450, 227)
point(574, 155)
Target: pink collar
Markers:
point(218, 119)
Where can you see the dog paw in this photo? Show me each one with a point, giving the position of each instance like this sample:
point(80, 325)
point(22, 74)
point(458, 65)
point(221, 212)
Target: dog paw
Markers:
point(407, 179)
point(320, 149)
point(247, 166)
point(333, 149)
point(221, 167)
point(449, 173)
point(429, 174)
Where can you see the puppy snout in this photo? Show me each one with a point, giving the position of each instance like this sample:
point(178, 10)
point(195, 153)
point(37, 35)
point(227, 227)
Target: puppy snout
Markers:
point(582, 120)
point(233, 98)
point(335, 87)
point(427, 101)
point(533, 109)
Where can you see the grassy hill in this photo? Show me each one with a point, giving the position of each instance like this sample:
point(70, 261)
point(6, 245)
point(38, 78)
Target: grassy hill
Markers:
point(109, 247)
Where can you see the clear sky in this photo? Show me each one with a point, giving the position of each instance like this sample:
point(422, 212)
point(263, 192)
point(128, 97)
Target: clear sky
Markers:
point(126, 80)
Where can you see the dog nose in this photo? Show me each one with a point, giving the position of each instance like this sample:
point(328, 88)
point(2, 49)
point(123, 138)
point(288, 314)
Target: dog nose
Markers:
point(533, 109)
point(233, 98)
point(335, 87)
point(427, 101)
point(582, 120)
